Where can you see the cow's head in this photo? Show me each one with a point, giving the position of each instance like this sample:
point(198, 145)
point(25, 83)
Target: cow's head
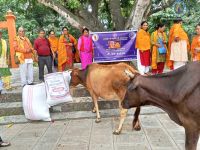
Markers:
point(75, 77)
point(131, 98)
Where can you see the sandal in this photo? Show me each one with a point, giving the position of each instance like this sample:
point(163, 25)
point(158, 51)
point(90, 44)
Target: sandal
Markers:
point(4, 144)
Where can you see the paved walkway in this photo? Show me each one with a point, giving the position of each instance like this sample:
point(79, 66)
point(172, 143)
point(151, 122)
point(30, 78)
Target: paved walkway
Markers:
point(158, 133)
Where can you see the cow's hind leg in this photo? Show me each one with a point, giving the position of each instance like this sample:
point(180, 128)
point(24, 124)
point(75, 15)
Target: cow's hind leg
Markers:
point(191, 140)
point(123, 114)
point(94, 109)
point(136, 122)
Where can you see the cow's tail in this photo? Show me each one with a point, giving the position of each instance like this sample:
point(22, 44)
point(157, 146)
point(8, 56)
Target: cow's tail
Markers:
point(133, 70)
point(129, 73)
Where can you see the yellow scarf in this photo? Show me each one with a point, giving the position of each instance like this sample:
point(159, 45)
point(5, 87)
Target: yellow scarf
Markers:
point(3, 61)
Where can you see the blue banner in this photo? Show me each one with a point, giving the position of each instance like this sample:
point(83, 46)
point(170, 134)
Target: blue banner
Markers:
point(114, 46)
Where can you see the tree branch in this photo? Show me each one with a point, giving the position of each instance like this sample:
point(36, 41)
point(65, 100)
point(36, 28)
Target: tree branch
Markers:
point(145, 16)
point(76, 21)
point(164, 4)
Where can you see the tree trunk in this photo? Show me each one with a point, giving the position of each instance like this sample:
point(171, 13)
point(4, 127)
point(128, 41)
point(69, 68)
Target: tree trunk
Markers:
point(137, 14)
point(95, 6)
point(117, 18)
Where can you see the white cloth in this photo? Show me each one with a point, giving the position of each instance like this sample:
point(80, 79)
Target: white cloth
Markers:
point(178, 64)
point(179, 51)
point(142, 69)
point(26, 73)
point(28, 61)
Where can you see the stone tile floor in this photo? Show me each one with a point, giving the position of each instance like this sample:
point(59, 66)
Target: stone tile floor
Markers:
point(158, 133)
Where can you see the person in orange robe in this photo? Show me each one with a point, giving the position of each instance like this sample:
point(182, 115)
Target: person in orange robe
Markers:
point(195, 46)
point(158, 41)
point(178, 46)
point(24, 51)
point(53, 40)
point(143, 46)
point(65, 54)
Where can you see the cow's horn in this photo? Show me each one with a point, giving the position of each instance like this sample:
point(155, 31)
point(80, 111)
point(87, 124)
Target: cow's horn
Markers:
point(128, 73)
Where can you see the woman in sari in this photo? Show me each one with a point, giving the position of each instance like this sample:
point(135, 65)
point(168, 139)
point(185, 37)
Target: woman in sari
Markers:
point(85, 48)
point(5, 74)
point(143, 46)
point(66, 44)
point(159, 49)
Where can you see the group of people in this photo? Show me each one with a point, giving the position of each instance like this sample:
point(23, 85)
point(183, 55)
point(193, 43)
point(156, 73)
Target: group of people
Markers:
point(57, 54)
point(153, 50)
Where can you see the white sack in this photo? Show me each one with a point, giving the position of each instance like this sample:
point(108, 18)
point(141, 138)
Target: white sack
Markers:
point(57, 89)
point(67, 76)
point(34, 102)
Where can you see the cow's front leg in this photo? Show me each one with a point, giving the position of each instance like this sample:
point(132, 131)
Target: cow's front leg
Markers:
point(123, 114)
point(191, 140)
point(95, 98)
point(97, 111)
point(136, 122)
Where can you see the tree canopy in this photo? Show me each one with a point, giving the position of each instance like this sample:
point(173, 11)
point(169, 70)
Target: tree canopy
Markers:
point(98, 15)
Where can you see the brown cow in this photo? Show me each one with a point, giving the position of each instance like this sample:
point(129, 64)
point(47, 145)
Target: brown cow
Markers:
point(177, 93)
point(108, 82)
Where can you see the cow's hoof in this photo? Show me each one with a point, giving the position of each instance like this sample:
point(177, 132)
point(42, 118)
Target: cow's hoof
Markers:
point(93, 111)
point(116, 132)
point(137, 128)
point(98, 120)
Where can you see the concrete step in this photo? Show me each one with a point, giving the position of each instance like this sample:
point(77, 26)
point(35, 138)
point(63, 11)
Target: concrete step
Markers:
point(146, 110)
point(78, 104)
point(16, 94)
